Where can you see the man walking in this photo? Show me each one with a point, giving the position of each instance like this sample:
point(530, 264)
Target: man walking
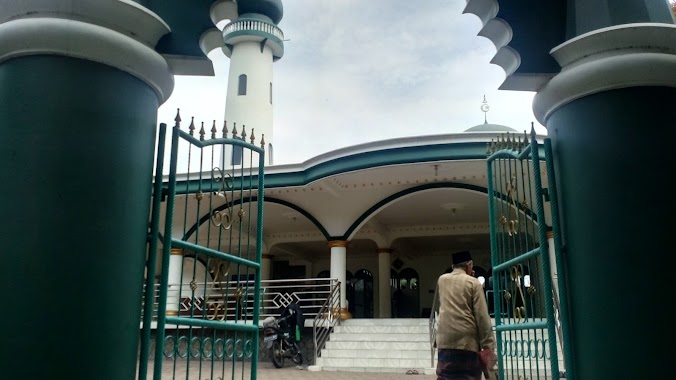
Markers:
point(465, 339)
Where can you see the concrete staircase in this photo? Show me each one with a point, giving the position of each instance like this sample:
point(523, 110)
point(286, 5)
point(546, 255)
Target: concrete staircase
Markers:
point(378, 345)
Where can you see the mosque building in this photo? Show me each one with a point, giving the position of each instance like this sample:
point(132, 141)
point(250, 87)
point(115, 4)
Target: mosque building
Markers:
point(80, 85)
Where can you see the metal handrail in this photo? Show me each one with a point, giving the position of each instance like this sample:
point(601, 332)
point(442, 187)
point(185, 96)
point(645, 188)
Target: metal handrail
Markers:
point(220, 300)
point(326, 319)
point(257, 25)
point(433, 327)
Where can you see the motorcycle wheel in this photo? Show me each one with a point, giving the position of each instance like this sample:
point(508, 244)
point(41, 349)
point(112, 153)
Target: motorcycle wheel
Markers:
point(276, 355)
point(298, 357)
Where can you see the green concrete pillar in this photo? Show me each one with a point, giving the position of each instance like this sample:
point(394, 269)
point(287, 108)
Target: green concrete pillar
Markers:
point(610, 115)
point(588, 15)
point(78, 109)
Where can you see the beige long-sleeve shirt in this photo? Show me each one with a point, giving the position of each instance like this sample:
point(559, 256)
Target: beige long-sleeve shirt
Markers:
point(463, 322)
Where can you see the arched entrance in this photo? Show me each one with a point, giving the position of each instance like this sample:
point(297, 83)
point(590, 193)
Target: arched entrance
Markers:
point(406, 295)
point(360, 295)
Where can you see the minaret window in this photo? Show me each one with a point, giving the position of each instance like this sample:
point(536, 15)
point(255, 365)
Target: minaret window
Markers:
point(237, 152)
point(270, 159)
point(241, 88)
point(270, 92)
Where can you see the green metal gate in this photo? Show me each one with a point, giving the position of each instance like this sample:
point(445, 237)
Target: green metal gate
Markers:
point(200, 320)
point(528, 279)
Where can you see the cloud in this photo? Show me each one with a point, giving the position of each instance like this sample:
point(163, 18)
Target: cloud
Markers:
point(360, 71)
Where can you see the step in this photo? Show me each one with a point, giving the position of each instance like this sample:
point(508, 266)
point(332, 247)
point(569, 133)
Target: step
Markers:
point(383, 353)
point(371, 345)
point(380, 337)
point(421, 371)
point(387, 329)
point(386, 322)
point(355, 363)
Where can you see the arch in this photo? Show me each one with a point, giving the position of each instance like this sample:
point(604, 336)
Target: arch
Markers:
point(248, 199)
point(408, 274)
point(363, 218)
point(480, 271)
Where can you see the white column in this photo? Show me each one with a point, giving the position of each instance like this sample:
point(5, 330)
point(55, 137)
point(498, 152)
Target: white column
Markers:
point(266, 274)
point(338, 271)
point(175, 277)
point(384, 294)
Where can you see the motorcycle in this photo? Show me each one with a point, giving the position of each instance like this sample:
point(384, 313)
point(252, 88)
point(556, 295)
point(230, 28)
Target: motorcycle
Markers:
point(280, 342)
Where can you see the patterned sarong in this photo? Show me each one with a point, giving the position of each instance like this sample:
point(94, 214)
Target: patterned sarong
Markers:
point(458, 365)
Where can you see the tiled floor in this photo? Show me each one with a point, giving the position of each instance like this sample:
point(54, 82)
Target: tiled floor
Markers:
point(266, 371)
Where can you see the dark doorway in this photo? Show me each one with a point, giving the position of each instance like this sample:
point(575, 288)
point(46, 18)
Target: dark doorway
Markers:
point(361, 301)
point(406, 296)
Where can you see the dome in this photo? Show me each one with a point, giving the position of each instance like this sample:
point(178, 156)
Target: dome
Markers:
point(487, 127)
point(270, 8)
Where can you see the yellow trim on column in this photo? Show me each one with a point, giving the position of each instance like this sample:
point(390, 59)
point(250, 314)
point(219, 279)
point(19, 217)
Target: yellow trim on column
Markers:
point(338, 243)
point(172, 313)
point(177, 251)
point(550, 234)
point(344, 314)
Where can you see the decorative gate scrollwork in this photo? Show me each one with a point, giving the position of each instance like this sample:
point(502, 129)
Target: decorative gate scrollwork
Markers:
point(529, 323)
point(208, 312)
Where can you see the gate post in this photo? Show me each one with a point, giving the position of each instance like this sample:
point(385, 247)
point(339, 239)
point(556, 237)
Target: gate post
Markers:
point(606, 114)
point(78, 99)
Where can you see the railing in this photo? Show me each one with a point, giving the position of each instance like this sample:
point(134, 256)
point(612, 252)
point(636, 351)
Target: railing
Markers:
point(233, 300)
point(433, 327)
point(245, 25)
point(326, 319)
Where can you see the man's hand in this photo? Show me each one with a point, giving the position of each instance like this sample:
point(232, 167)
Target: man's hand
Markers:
point(488, 358)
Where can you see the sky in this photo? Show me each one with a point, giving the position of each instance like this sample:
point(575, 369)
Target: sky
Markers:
point(360, 71)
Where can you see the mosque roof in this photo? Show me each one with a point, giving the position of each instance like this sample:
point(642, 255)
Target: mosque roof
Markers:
point(488, 127)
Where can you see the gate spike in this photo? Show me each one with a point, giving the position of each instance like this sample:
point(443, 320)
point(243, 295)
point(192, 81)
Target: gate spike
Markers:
point(244, 132)
point(532, 130)
point(225, 129)
point(191, 128)
point(202, 132)
point(177, 119)
point(263, 141)
point(253, 138)
point(213, 130)
point(525, 137)
point(234, 130)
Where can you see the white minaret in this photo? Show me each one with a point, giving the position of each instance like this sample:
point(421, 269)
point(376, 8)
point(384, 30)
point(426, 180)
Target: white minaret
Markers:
point(252, 42)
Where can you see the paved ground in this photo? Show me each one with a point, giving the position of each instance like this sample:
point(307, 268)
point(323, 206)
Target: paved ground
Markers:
point(266, 371)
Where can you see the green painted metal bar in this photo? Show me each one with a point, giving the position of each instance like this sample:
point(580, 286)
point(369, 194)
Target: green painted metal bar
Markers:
point(153, 238)
point(497, 312)
point(563, 292)
point(259, 259)
point(546, 269)
point(205, 143)
point(166, 251)
point(521, 258)
point(214, 253)
point(521, 326)
point(219, 325)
